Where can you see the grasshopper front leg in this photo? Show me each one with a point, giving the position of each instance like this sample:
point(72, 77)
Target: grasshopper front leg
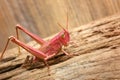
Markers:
point(70, 55)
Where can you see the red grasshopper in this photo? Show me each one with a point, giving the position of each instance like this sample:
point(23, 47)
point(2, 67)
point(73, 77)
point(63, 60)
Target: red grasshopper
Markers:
point(47, 50)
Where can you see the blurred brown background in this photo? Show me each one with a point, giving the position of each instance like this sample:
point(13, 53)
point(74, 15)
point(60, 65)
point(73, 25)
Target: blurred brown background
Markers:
point(41, 16)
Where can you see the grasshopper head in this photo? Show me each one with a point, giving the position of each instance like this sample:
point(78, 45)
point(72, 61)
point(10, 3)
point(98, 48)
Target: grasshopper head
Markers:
point(64, 36)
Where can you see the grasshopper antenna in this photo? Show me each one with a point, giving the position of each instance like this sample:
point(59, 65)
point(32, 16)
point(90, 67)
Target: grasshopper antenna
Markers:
point(67, 21)
point(61, 26)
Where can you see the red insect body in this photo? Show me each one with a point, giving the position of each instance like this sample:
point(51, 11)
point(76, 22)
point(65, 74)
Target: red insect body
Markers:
point(47, 50)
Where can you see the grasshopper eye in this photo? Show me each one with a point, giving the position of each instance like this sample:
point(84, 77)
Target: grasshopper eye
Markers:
point(63, 35)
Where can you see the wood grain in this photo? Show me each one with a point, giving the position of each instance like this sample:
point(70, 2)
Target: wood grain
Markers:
point(41, 17)
point(98, 47)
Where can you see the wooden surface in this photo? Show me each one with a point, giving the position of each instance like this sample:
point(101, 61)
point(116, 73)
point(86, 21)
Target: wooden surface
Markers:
point(41, 16)
point(98, 47)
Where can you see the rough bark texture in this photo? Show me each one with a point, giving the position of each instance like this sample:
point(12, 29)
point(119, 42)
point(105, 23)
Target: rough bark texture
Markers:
point(98, 47)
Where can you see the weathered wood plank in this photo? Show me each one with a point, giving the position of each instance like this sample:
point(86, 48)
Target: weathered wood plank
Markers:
point(98, 47)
